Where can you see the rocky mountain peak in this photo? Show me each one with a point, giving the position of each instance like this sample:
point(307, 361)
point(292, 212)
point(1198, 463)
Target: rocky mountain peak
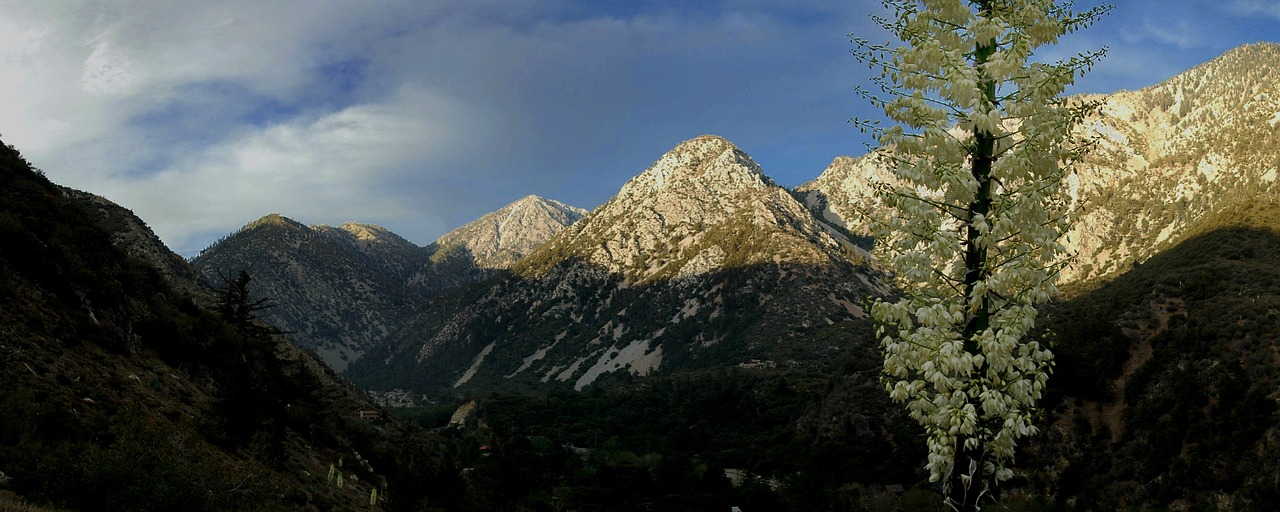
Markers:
point(532, 201)
point(498, 239)
point(368, 232)
point(342, 289)
point(702, 207)
point(703, 164)
point(336, 288)
point(846, 183)
point(387, 252)
point(274, 220)
point(682, 269)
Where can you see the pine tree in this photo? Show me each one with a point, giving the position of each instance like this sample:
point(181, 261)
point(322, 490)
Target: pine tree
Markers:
point(250, 403)
point(970, 219)
point(238, 308)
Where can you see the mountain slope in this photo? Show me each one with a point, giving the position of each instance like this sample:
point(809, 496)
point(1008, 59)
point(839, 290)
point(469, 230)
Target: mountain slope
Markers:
point(493, 242)
point(1164, 394)
point(1166, 156)
point(125, 392)
point(386, 251)
point(340, 290)
point(699, 261)
point(336, 290)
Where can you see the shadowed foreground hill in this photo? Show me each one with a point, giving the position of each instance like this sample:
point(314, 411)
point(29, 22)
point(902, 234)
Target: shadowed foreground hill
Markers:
point(128, 387)
point(1166, 389)
point(124, 393)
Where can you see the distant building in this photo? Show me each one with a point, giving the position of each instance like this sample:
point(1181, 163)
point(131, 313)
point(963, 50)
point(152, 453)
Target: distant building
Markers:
point(369, 415)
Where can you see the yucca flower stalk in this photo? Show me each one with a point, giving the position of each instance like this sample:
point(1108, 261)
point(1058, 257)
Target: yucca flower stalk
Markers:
point(970, 220)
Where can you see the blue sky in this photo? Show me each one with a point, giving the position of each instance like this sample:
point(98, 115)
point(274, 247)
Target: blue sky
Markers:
point(420, 116)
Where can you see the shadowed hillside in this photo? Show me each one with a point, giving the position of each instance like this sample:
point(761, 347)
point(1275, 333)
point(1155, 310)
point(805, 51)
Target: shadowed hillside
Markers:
point(1163, 398)
point(579, 325)
point(132, 387)
point(1167, 380)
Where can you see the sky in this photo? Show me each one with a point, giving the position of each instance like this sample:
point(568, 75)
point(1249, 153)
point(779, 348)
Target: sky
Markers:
point(422, 115)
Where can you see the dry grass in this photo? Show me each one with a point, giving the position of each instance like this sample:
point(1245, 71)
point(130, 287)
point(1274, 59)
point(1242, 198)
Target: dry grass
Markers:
point(10, 502)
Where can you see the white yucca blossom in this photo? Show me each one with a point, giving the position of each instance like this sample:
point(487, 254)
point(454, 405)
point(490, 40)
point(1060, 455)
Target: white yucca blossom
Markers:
point(980, 148)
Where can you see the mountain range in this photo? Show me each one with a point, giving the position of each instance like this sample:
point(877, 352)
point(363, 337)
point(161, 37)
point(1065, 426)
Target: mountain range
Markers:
point(699, 261)
point(340, 290)
point(702, 319)
point(1162, 158)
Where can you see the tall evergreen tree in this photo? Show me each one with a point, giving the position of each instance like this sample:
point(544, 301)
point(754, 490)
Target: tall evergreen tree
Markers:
point(251, 399)
point(970, 220)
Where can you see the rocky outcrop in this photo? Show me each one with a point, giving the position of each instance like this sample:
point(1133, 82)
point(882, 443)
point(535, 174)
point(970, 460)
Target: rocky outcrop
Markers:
point(130, 234)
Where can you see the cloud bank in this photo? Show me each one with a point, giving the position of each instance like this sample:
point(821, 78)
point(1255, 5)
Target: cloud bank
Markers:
point(420, 116)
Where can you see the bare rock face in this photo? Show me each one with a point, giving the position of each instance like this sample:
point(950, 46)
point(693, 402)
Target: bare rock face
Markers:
point(703, 206)
point(699, 261)
point(1166, 156)
point(498, 239)
point(846, 184)
point(493, 242)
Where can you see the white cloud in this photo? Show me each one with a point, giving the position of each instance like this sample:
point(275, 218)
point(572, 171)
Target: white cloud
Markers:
point(330, 169)
point(41, 105)
point(201, 116)
point(153, 47)
point(102, 95)
point(1181, 33)
point(107, 72)
point(1255, 7)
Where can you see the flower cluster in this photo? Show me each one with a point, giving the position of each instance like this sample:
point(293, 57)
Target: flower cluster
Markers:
point(963, 89)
